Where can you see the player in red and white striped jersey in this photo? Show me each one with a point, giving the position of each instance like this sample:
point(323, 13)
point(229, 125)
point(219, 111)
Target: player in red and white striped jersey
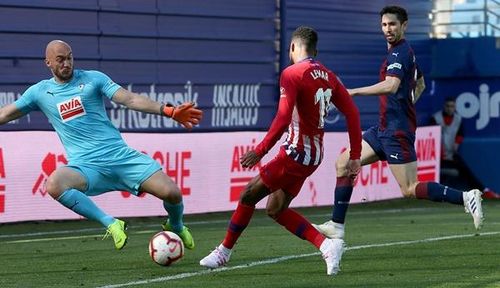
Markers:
point(307, 88)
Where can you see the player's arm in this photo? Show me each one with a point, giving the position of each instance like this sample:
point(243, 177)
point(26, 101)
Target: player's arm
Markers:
point(389, 86)
point(346, 106)
point(136, 101)
point(9, 113)
point(186, 114)
point(278, 126)
point(419, 88)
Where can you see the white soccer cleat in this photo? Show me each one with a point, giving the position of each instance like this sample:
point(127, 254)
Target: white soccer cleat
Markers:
point(331, 229)
point(472, 204)
point(332, 250)
point(217, 258)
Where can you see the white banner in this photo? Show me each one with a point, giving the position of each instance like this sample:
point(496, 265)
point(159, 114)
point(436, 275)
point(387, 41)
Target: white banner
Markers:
point(204, 165)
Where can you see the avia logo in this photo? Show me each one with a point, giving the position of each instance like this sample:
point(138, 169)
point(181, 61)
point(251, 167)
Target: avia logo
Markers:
point(71, 109)
point(2, 186)
point(469, 105)
point(239, 176)
point(49, 165)
point(427, 150)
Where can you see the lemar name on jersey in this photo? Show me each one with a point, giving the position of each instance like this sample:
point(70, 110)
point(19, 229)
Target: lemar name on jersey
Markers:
point(316, 73)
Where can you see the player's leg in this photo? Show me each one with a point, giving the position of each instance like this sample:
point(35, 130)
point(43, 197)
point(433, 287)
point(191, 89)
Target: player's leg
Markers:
point(278, 209)
point(65, 185)
point(137, 173)
point(406, 176)
point(402, 159)
point(331, 249)
point(162, 187)
point(334, 228)
point(254, 191)
point(344, 186)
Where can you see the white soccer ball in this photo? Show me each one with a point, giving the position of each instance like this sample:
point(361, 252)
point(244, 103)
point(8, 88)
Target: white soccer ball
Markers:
point(166, 248)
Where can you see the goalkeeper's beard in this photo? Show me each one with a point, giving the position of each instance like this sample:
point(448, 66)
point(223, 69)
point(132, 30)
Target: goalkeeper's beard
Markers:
point(64, 76)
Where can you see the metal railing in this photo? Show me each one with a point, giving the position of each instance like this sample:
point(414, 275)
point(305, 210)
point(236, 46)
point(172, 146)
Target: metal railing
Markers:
point(477, 21)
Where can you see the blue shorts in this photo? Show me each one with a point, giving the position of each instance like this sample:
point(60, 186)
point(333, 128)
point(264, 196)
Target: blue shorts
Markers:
point(125, 172)
point(393, 146)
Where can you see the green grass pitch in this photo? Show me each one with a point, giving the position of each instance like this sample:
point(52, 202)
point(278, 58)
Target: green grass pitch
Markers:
point(398, 243)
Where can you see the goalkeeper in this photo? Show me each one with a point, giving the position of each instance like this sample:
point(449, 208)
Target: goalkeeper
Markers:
point(99, 159)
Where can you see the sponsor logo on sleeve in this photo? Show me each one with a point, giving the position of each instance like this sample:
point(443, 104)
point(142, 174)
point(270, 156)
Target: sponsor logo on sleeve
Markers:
point(282, 92)
point(394, 66)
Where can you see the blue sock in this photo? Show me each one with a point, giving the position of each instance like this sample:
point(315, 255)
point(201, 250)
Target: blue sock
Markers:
point(438, 193)
point(82, 205)
point(343, 192)
point(175, 214)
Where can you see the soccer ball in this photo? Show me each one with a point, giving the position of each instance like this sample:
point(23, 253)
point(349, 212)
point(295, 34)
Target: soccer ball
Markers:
point(166, 248)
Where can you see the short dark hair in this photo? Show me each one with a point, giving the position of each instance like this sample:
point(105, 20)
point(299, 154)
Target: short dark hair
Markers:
point(449, 99)
point(400, 12)
point(308, 36)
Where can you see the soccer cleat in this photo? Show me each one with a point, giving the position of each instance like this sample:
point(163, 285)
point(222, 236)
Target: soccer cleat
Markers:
point(117, 231)
point(217, 258)
point(185, 234)
point(331, 229)
point(332, 250)
point(472, 204)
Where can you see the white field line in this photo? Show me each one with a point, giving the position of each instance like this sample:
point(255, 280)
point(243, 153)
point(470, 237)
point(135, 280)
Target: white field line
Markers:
point(285, 258)
point(34, 234)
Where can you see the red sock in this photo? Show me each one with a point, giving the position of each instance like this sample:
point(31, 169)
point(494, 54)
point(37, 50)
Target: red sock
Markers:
point(239, 221)
point(421, 191)
point(298, 225)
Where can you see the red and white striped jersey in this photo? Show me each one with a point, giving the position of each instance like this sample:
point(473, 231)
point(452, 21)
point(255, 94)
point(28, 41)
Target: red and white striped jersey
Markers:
point(306, 90)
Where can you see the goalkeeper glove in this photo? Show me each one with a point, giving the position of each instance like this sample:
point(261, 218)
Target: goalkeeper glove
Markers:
point(185, 114)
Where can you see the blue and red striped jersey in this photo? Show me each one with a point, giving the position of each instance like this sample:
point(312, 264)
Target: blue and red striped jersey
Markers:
point(397, 111)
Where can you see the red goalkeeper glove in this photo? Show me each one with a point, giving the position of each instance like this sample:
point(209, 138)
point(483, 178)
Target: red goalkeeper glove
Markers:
point(185, 114)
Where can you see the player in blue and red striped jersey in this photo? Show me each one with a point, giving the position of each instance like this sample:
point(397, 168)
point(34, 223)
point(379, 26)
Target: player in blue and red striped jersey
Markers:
point(401, 84)
point(307, 88)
